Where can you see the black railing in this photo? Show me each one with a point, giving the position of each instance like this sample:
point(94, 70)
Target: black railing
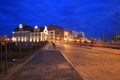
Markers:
point(11, 52)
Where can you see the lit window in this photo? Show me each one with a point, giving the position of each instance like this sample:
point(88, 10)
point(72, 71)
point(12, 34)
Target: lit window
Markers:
point(34, 39)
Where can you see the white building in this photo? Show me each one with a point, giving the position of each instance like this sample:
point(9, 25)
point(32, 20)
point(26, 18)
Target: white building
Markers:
point(21, 34)
point(39, 34)
point(25, 33)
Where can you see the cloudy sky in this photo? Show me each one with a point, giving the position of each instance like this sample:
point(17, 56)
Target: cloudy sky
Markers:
point(94, 17)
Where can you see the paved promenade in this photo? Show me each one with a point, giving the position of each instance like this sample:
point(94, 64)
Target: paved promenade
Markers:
point(48, 64)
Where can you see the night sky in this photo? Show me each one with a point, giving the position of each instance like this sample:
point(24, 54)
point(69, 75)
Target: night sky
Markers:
point(94, 17)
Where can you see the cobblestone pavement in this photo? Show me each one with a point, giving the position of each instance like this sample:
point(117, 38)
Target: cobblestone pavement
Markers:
point(47, 65)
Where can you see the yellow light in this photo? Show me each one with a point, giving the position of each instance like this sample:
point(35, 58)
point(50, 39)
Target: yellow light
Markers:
point(37, 40)
point(7, 39)
point(82, 40)
point(65, 39)
point(34, 39)
point(70, 39)
point(65, 33)
point(13, 39)
point(25, 40)
point(78, 40)
point(58, 38)
point(30, 40)
point(22, 39)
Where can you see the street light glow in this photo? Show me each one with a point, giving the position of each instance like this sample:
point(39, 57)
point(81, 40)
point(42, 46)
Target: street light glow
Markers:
point(65, 33)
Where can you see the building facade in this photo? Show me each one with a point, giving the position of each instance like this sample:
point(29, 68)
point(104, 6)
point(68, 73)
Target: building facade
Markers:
point(25, 33)
point(57, 32)
point(39, 34)
point(51, 36)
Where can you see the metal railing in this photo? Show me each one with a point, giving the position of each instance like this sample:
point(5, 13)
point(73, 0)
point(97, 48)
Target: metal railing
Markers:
point(12, 53)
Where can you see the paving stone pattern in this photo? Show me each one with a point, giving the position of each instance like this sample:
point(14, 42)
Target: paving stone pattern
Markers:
point(47, 65)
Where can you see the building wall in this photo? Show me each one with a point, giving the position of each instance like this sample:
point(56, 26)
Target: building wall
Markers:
point(51, 36)
point(20, 36)
point(45, 34)
point(35, 36)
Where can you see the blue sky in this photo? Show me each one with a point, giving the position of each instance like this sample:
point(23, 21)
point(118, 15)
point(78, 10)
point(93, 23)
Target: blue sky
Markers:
point(94, 17)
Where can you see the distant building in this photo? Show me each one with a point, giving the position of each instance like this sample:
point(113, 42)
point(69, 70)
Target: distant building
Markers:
point(75, 34)
point(82, 34)
point(25, 33)
point(55, 33)
point(4, 39)
point(51, 36)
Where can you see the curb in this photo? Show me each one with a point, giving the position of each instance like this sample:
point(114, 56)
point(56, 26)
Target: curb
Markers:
point(69, 61)
point(66, 58)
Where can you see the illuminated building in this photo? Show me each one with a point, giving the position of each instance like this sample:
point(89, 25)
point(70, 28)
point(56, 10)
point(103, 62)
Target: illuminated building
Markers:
point(21, 33)
point(51, 36)
point(39, 34)
point(25, 33)
point(55, 33)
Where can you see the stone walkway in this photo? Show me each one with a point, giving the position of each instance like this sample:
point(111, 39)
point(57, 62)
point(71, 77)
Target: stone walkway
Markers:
point(48, 64)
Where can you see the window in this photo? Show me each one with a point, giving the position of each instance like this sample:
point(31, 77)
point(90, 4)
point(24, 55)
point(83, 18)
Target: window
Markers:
point(32, 34)
point(36, 34)
point(51, 32)
point(19, 34)
point(51, 35)
point(24, 34)
point(15, 35)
